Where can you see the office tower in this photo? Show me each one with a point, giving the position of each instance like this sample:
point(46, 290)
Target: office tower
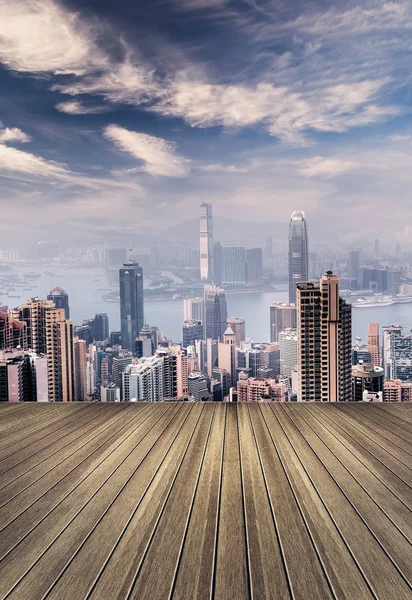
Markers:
point(33, 313)
point(143, 381)
point(254, 265)
point(201, 355)
point(109, 393)
point(376, 248)
point(212, 350)
point(379, 280)
point(324, 341)
point(194, 309)
point(59, 350)
point(392, 390)
point(397, 353)
point(217, 263)
point(23, 376)
point(80, 362)
point(374, 345)
point(13, 333)
point(153, 334)
point(84, 332)
point(216, 392)
point(234, 265)
point(131, 302)
point(143, 347)
point(367, 382)
point(224, 379)
point(361, 353)
point(120, 363)
point(298, 253)
point(60, 299)
point(115, 337)
point(197, 387)
point(191, 331)
point(169, 359)
point(182, 370)
point(227, 354)
point(206, 242)
point(101, 327)
point(90, 377)
point(260, 390)
point(282, 317)
point(288, 346)
point(215, 312)
point(353, 267)
point(237, 325)
point(104, 371)
point(269, 248)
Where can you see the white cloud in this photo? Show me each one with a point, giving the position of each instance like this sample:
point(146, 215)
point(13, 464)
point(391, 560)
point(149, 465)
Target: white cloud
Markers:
point(74, 107)
point(157, 155)
point(13, 135)
point(326, 168)
point(219, 168)
point(39, 36)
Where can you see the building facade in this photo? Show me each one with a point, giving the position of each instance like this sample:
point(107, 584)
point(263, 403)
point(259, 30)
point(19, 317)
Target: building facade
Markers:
point(191, 331)
point(238, 326)
point(298, 265)
point(131, 303)
point(282, 317)
point(60, 299)
point(233, 265)
point(215, 312)
point(206, 243)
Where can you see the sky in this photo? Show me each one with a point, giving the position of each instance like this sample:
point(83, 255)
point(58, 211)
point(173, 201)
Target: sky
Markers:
point(118, 118)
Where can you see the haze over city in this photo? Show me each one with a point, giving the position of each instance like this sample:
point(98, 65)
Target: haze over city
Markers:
point(117, 118)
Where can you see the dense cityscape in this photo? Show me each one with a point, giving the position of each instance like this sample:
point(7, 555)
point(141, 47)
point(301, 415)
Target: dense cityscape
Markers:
point(310, 354)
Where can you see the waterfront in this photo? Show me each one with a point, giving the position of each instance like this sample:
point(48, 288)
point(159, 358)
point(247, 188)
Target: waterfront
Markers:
point(84, 287)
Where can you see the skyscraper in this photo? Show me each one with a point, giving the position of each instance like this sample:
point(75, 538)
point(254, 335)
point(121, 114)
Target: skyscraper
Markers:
point(101, 327)
point(373, 344)
point(60, 299)
point(324, 341)
point(80, 363)
point(353, 267)
point(215, 312)
point(397, 353)
point(59, 350)
point(254, 265)
point(193, 309)
point(191, 331)
point(237, 324)
point(234, 265)
point(298, 265)
point(131, 302)
point(206, 242)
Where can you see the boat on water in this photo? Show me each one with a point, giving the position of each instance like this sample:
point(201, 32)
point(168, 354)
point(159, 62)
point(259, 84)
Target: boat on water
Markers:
point(380, 300)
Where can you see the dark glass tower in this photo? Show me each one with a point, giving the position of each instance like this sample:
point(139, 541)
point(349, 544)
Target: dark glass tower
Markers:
point(215, 313)
point(298, 265)
point(131, 303)
point(61, 300)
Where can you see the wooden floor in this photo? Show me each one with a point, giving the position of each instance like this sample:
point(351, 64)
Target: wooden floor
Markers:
point(278, 501)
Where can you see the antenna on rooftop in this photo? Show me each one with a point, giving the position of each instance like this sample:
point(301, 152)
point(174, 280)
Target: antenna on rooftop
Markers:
point(130, 252)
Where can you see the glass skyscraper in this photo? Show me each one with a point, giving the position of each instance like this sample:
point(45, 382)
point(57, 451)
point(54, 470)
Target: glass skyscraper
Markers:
point(298, 265)
point(215, 313)
point(131, 303)
point(206, 242)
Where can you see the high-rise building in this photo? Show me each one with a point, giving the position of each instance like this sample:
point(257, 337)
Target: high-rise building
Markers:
point(60, 299)
point(224, 380)
point(169, 369)
point(234, 265)
point(215, 312)
point(212, 352)
point(191, 331)
point(143, 347)
point(237, 325)
point(353, 267)
point(197, 386)
point(282, 316)
point(374, 344)
point(84, 332)
point(367, 382)
point(324, 341)
point(182, 370)
point(254, 265)
point(80, 364)
point(254, 389)
point(23, 376)
point(131, 302)
point(288, 346)
point(397, 353)
point(153, 334)
point(59, 350)
point(144, 380)
point(33, 314)
point(217, 263)
point(206, 242)
point(227, 354)
point(194, 309)
point(115, 337)
point(101, 327)
point(120, 363)
point(298, 266)
point(13, 333)
point(109, 393)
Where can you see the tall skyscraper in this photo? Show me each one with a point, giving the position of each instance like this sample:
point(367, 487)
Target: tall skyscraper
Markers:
point(33, 314)
point(143, 381)
point(282, 317)
point(131, 302)
point(288, 346)
point(324, 341)
point(254, 265)
point(206, 242)
point(60, 299)
point(298, 265)
point(101, 327)
point(215, 312)
point(397, 353)
point(191, 331)
point(234, 265)
point(59, 350)
point(373, 344)
point(353, 267)
point(194, 309)
point(80, 365)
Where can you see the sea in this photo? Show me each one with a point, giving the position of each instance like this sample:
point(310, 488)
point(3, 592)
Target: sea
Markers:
point(86, 287)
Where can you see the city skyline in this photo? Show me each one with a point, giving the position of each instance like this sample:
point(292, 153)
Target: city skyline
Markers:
point(94, 113)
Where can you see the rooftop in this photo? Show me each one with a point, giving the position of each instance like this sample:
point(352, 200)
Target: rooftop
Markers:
point(191, 500)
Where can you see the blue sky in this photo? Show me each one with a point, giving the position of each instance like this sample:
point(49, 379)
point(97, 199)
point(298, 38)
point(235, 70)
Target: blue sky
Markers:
point(116, 117)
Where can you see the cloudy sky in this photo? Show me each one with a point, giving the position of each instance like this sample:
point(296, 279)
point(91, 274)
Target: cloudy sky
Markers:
point(117, 117)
